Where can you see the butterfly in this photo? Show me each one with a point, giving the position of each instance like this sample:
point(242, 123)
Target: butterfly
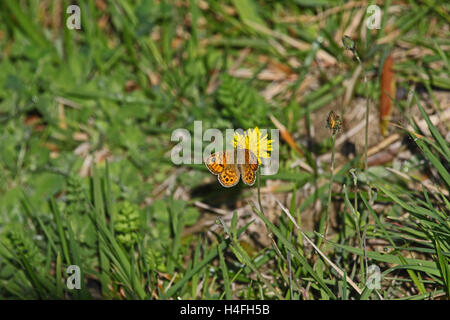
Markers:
point(223, 164)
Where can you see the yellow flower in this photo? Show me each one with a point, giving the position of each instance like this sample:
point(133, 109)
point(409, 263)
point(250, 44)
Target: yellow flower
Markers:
point(253, 140)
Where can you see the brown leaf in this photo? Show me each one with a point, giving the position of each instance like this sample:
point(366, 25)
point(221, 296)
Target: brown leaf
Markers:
point(387, 93)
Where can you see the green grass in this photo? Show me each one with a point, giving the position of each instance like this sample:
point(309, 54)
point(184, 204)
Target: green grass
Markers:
point(86, 179)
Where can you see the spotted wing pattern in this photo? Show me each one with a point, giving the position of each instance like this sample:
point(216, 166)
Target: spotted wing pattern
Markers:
point(248, 169)
point(230, 176)
point(219, 164)
point(216, 162)
point(227, 169)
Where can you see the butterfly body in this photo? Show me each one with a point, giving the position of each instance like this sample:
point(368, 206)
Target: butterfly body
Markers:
point(231, 165)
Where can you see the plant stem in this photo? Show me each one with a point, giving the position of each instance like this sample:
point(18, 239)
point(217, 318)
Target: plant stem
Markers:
point(323, 227)
point(366, 137)
point(361, 240)
point(366, 172)
point(331, 179)
point(259, 190)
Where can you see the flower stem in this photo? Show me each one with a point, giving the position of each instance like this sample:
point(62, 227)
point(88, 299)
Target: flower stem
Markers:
point(259, 190)
point(323, 227)
point(366, 137)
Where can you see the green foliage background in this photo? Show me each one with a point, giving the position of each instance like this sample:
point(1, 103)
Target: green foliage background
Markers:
point(136, 71)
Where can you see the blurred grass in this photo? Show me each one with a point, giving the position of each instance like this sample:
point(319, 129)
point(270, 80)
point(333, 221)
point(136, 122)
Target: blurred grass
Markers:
point(86, 118)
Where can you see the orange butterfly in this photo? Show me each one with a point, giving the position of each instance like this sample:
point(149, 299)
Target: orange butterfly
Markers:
point(223, 164)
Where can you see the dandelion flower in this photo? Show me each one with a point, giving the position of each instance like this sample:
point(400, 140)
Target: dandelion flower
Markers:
point(254, 141)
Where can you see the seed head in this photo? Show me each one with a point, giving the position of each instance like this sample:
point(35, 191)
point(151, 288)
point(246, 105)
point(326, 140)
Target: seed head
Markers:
point(333, 122)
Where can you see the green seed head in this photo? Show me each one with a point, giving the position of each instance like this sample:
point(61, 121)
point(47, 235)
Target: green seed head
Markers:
point(348, 43)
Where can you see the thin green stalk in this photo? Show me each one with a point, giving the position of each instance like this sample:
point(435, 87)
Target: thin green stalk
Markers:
point(361, 239)
point(323, 227)
point(366, 133)
point(350, 45)
point(259, 189)
point(331, 180)
point(357, 218)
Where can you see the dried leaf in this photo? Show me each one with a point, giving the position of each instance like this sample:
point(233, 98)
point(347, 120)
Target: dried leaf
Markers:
point(387, 93)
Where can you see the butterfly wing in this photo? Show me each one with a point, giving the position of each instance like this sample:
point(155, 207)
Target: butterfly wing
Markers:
point(228, 173)
point(248, 175)
point(248, 169)
point(216, 162)
point(230, 176)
